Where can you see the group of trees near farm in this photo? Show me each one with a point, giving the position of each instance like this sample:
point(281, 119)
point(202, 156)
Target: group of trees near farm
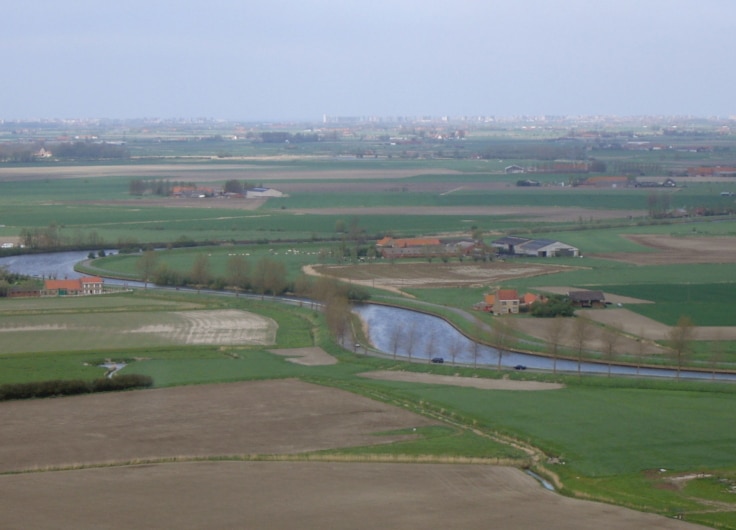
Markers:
point(266, 276)
point(10, 280)
point(573, 335)
point(161, 187)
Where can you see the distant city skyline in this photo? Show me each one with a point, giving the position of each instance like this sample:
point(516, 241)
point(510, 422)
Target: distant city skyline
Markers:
point(290, 60)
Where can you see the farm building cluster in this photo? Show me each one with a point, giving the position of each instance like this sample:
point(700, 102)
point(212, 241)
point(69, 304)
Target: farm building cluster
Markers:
point(542, 248)
point(429, 247)
point(509, 301)
point(85, 286)
point(199, 192)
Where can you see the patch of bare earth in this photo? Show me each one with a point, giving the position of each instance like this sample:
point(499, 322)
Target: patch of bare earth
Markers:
point(472, 382)
point(668, 250)
point(273, 417)
point(551, 214)
point(306, 356)
point(221, 327)
point(204, 172)
point(413, 273)
point(306, 495)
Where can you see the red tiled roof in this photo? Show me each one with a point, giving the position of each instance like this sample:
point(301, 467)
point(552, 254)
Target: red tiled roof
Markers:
point(507, 294)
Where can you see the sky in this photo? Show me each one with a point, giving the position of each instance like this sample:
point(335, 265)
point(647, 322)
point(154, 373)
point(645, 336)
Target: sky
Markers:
point(300, 59)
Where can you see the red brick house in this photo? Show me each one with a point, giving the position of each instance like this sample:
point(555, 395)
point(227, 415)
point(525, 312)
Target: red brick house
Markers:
point(84, 286)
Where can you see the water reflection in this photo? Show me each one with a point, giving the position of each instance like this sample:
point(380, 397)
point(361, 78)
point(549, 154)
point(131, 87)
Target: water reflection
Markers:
point(410, 334)
point(394, 331)
point(58, 265)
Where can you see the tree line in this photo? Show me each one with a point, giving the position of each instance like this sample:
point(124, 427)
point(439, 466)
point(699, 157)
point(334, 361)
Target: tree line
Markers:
point(266, 276)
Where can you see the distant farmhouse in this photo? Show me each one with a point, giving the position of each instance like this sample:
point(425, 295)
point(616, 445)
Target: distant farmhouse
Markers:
point(84, 286)
point(426, 247)
point(542, 248)
point(506, 301)
point(509, 301)
point(510, 170)
point(712, 171)
point(199, 192)
point(192, 192)
point(585, 299)
point(607, 182)
point(256, 193)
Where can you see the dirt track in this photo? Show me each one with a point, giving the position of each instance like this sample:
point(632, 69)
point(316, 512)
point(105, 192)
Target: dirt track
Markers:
point(255, 418)
point(669, 250)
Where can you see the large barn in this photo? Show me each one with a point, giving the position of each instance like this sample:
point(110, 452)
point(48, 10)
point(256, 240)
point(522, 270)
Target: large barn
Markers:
point(543, 248)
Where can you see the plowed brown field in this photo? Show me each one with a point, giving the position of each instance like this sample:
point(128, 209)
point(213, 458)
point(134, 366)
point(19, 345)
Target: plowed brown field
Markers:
point(248, 418)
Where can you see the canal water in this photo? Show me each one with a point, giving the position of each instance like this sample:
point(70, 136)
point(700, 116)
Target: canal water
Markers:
point(411, 334)
point(397, 332)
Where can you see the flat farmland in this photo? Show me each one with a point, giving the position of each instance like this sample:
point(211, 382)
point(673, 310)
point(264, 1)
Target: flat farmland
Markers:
point(185, 447)
point(108, 330)
point(412, 274)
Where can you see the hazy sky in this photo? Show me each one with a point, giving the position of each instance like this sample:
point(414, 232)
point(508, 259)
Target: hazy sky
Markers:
point(299, 59)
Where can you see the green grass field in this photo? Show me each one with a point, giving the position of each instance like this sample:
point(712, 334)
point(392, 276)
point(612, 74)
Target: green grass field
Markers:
point(613, 435)
point(608, 432)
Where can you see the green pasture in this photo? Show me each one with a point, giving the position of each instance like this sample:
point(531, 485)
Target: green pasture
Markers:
point(182, 260)
point(607, 431)
point(707, 304)
point(603, 431)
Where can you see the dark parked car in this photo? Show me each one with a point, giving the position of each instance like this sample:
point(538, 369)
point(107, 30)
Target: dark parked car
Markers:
point(519, 367)
point(438, 360)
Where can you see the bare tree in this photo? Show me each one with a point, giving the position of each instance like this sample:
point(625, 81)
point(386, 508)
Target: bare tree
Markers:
point(431, 345)
point(717, 354)
point(200, 273)
point(555, 331)
point(640, 351)
point(304, 287)
point(269, 276)
point(411, 337)
point(455, 346)
point(681, 338)
point(478, 326)
point(146, 266)
point(580, 331)
point(504, 330)
point(238, 273)
point(610, 341)
point(337, 316)
point(396, 337)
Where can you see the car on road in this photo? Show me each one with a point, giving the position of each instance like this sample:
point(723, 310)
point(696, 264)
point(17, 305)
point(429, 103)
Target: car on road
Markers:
point(438, 360)
point(519, 367)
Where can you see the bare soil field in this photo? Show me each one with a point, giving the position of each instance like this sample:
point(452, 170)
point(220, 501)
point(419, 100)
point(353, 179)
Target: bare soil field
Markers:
point(547, 213)
point(262, 417)
point(307, 356)
point(407, 274)
point(472, 382)
point(224, 327)
point(307, 495)
point(203, 172)
point(669, 250)
point(101, 329)
point(93, 462)
point(631, 326)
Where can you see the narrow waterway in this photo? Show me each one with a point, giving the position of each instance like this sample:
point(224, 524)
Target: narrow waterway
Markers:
point(409, 334)
point(397, 332)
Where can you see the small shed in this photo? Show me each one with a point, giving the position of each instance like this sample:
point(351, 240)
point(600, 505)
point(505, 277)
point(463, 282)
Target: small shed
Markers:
point(587, 299)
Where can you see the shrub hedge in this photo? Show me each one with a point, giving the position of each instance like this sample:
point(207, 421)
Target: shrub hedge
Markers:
point(60, 387)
